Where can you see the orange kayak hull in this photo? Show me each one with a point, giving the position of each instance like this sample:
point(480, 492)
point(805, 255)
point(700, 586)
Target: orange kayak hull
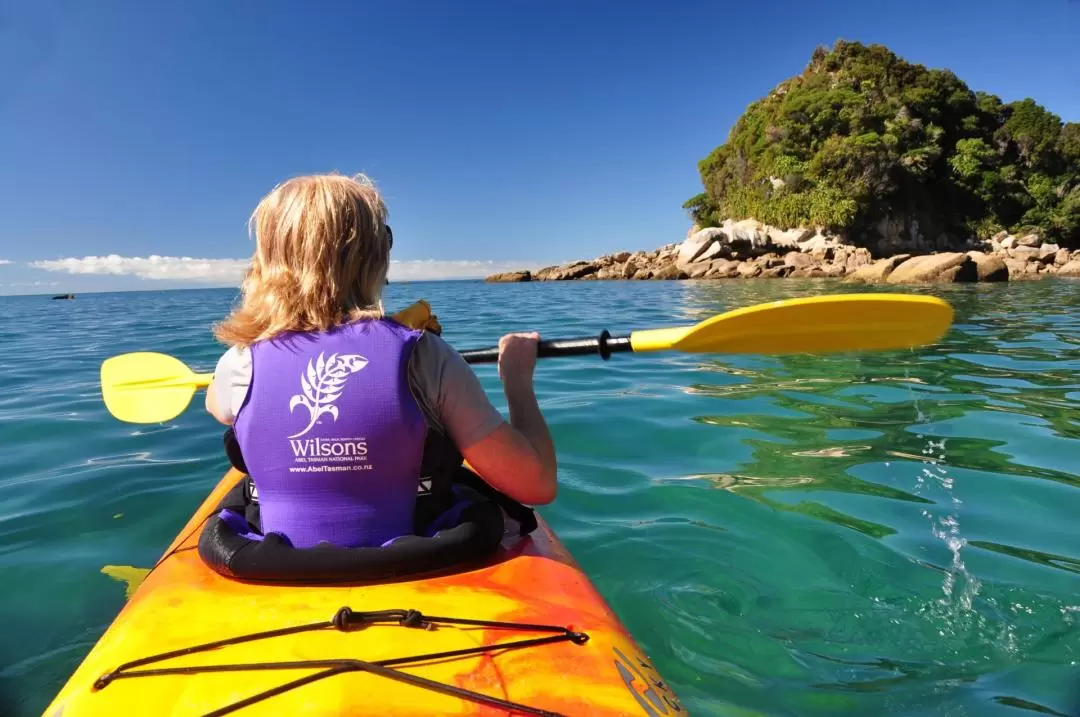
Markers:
point(183, 603)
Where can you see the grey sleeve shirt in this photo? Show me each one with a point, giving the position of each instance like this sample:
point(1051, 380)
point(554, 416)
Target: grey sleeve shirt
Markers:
point(444, 385)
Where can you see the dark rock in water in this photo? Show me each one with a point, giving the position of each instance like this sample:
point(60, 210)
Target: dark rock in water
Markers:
point(64, 296)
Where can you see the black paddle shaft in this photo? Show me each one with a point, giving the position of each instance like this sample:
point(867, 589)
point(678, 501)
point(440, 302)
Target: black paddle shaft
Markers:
point(605, 344)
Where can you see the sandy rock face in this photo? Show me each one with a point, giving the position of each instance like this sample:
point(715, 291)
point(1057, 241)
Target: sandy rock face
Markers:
point(879, 271)
point(510, 277)
point(935, 268)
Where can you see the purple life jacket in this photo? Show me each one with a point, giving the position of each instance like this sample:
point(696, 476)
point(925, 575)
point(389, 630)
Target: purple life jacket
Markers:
point(332, 435)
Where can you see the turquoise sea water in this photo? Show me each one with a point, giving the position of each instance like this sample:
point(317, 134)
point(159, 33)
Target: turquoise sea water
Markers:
point(875, 534)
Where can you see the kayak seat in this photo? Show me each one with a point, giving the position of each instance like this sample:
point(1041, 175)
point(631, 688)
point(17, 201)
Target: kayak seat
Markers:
point(467, 530)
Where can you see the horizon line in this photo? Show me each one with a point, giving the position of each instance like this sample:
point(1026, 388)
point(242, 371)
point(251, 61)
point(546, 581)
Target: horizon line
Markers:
point(221, 288)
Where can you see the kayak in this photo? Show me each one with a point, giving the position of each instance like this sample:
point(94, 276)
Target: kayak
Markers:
point(514, 629)
point(523, 631)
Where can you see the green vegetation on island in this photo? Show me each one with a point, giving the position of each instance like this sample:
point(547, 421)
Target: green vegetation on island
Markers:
point(862, 136)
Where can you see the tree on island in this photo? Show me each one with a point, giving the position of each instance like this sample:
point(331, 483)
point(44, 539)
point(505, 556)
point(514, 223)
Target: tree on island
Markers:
point(862, 135)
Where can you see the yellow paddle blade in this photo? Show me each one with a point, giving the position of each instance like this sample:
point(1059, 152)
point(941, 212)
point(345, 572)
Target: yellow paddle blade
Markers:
point(147, 387)
point(821, 324)
point(132, 577)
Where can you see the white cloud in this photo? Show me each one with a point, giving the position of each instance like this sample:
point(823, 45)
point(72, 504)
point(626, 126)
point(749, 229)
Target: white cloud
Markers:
point(4, 261)
point(231, 271)
point(182, 268)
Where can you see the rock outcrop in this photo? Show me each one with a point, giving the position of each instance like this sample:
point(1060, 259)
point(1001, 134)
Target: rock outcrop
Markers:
point(989, 267)
point(1071, 269)
point(511, 276)
point(879, 271)
point(748, 249)
point(935, 268)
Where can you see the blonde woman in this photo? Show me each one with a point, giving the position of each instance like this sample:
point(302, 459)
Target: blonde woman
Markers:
point(331, 401)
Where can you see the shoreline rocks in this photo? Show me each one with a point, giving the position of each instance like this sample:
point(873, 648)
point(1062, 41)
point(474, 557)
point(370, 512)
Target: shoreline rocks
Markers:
point(748, 249)
point(511, 276)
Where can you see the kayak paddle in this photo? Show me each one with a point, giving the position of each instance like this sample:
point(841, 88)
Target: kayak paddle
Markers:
point(147, 387)
point(820, 324)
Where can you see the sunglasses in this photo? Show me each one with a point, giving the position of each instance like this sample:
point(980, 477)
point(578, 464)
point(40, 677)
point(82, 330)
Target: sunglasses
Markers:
point(390, 235)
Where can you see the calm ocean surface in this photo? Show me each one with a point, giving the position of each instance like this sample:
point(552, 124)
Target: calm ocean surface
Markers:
point(876, 534)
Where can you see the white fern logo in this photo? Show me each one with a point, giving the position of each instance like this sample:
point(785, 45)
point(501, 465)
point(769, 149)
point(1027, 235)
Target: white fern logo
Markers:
point(323, 384)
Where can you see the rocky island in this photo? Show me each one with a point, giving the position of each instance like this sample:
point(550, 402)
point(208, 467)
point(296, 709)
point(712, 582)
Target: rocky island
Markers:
point(869, 168)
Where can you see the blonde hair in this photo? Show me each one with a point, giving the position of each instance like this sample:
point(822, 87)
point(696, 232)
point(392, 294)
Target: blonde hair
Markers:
point(322, 252)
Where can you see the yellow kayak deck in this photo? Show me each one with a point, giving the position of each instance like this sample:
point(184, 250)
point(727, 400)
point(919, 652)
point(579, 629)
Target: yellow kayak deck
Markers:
point(531, 581)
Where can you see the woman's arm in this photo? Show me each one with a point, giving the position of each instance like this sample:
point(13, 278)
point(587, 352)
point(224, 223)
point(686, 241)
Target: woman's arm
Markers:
point(212, 405)
point(516, 458)
point(232, 376)
point(511, 464)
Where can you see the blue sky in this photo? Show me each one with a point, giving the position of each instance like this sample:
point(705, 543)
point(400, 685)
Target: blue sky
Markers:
point(518, 132)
